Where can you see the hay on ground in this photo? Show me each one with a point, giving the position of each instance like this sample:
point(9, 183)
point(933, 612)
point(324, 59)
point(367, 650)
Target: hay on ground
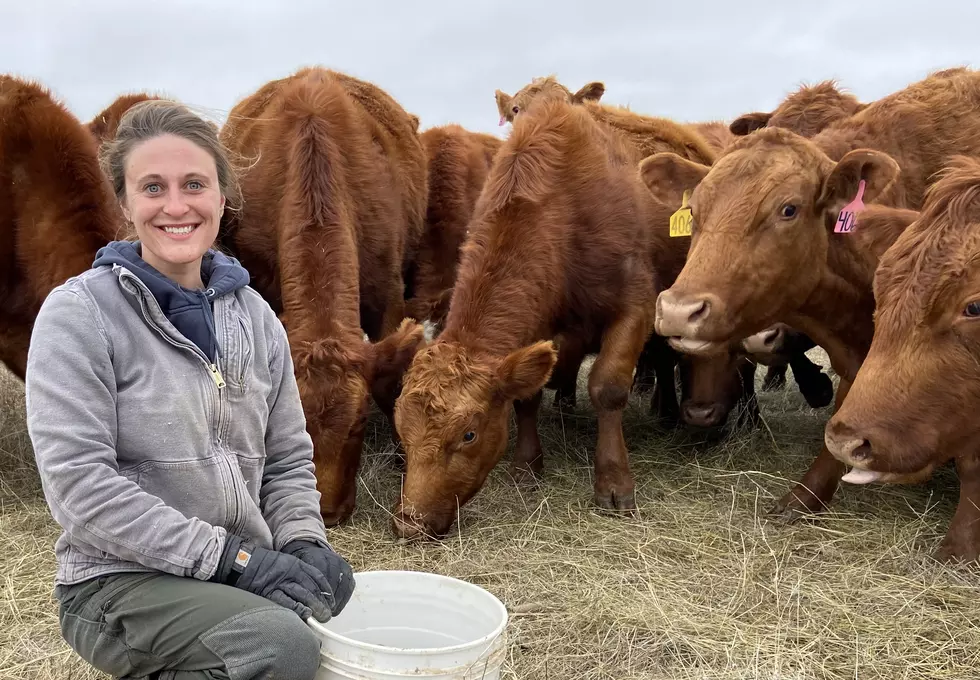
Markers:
point(700, 585)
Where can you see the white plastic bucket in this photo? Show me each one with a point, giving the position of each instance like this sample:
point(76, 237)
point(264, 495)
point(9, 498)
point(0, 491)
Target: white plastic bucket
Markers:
point(413, 624)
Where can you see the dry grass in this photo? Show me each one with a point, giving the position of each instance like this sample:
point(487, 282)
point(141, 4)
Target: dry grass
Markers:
point(699, 586)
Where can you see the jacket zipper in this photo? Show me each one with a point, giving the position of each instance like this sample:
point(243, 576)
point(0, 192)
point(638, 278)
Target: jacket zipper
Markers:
point(219, 382)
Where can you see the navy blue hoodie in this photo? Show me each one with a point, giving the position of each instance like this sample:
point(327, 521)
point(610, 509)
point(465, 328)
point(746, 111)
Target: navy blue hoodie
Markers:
point(188, 310)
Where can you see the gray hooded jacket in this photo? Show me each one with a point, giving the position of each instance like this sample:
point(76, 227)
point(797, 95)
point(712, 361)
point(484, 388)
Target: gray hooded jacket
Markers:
point(149, 451)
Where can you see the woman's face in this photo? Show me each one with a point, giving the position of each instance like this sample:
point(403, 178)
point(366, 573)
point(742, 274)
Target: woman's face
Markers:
point(173, 200)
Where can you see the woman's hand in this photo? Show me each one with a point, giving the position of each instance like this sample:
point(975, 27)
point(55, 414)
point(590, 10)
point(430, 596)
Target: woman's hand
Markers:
point(337, 570)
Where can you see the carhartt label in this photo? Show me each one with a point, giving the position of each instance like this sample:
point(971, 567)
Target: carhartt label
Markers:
point(847, 220)
point(680, 221)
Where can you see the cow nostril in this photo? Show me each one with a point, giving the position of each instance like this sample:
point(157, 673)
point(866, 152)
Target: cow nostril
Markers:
point(769, 338)
point(699, 311)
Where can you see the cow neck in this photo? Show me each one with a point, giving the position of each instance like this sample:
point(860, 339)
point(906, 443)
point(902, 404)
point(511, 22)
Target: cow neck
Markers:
point(839, 313)
point(503, 298)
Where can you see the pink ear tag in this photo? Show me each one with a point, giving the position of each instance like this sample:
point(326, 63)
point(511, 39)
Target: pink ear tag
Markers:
point(847, 220)
point(503, 119)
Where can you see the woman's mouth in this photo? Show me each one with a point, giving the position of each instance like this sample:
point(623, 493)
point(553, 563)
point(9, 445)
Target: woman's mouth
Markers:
point(178, 231)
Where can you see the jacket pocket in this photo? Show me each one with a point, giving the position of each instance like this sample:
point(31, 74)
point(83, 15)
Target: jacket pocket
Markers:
point(201, 488)
point(242, 363)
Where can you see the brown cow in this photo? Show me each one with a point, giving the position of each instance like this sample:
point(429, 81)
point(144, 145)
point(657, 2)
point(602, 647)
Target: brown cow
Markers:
point(458, 163)
point(904, 417)
point(565, 239)
point(336, 188)
point(764, 247)
point(56, 208)
point(543, 88)
point(104, 124)
point(807, 112)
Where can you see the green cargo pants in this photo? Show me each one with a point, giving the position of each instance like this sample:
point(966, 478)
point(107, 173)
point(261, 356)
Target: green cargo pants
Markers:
point(154, 625)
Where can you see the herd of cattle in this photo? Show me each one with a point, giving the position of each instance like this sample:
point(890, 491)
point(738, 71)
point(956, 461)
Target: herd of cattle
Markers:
point(694, 250)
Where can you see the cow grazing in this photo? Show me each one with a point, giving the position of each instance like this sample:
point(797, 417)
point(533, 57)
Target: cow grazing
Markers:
point(565, 239)
point(104, 124)
point(56, 208)
point(765, 249)
point(458, 161)
point(808, 111)
point(336, 188)
point(903, 416)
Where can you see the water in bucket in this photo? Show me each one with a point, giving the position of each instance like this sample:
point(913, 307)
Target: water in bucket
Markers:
point(412, 624)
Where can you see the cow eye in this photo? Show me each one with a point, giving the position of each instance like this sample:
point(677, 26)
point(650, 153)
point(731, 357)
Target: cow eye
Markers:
point(788, 211)
point(972, 310)
point(469, 437)
point(515, 109)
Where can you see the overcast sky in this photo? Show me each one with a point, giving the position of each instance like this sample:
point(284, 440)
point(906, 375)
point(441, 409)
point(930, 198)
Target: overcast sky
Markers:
point(442, 59)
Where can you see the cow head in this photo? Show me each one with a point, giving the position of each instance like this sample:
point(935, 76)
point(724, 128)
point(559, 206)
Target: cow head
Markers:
point(712, 386)
point(911, 405)
point(762, 221)
point(806, 112)
point(544, 88)
point(336, 378)
point(452, 418)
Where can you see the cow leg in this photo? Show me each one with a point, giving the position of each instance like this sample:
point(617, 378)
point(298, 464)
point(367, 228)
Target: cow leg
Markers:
point(645, 379)
point(394, 312)
point(564, 377)
point(962, 540)
point(816, 490)
point(609, 387)
point(815, 385)
point(775, 378)
point(528, 456)
point(663, 403)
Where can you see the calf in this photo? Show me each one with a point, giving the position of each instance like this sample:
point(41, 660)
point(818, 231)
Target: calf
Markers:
point(336, 189)
point(458, 162)
point(904, 417)
point(806, 112)
point(562, 241)
point(765, 247)
point(56, 208)
point(104, 124)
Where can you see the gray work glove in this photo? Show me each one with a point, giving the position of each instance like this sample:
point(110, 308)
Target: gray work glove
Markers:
point(339, 574)
point(278, 577)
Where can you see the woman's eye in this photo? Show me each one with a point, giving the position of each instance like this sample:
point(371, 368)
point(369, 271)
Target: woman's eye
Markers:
point(787, 211)
point(972, 310)
point(194, 185)
point(153, 188)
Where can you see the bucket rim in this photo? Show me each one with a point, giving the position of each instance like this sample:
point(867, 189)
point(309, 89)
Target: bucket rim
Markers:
point(489, 637)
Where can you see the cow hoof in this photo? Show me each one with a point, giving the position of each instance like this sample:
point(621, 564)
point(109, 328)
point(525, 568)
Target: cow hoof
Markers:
point(820, 393)
point(526, 477)
point(618, 501)
point(790, 509)
point(953, 551)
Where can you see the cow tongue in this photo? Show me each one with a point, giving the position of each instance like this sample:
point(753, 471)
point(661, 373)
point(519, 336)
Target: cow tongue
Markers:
point(856, 476)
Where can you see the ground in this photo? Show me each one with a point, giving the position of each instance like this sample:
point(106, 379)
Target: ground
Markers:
point(701, 585)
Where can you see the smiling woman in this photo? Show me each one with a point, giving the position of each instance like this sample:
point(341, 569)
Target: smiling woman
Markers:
point(170, 438)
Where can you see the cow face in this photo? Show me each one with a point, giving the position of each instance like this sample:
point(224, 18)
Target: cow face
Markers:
point(714, 385)
point(544, 88)
point(452, 419)
point(763, 215)
point(912, 405)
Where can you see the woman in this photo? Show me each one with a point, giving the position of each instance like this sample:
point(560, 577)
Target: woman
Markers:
point(170, 438)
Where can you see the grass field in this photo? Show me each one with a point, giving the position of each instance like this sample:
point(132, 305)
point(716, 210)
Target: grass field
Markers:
point(700, 585)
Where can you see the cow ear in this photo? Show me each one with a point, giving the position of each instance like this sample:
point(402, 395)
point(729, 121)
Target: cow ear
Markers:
point(750, 122)
point(877, 169)
point(525, 371)
point(503, 102)
point(591, 92)
point(391, 357)
point(668, 176)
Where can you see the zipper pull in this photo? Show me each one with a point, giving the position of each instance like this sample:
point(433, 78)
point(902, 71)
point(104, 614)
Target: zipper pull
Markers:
point(216, 374)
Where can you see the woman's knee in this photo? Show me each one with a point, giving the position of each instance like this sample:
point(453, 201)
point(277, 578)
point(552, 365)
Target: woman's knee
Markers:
point(267, 642)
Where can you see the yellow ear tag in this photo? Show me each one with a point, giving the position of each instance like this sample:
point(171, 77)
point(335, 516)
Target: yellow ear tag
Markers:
point(680, 221)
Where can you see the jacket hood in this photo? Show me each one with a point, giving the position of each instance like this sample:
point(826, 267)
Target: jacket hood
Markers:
point(187, 309)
